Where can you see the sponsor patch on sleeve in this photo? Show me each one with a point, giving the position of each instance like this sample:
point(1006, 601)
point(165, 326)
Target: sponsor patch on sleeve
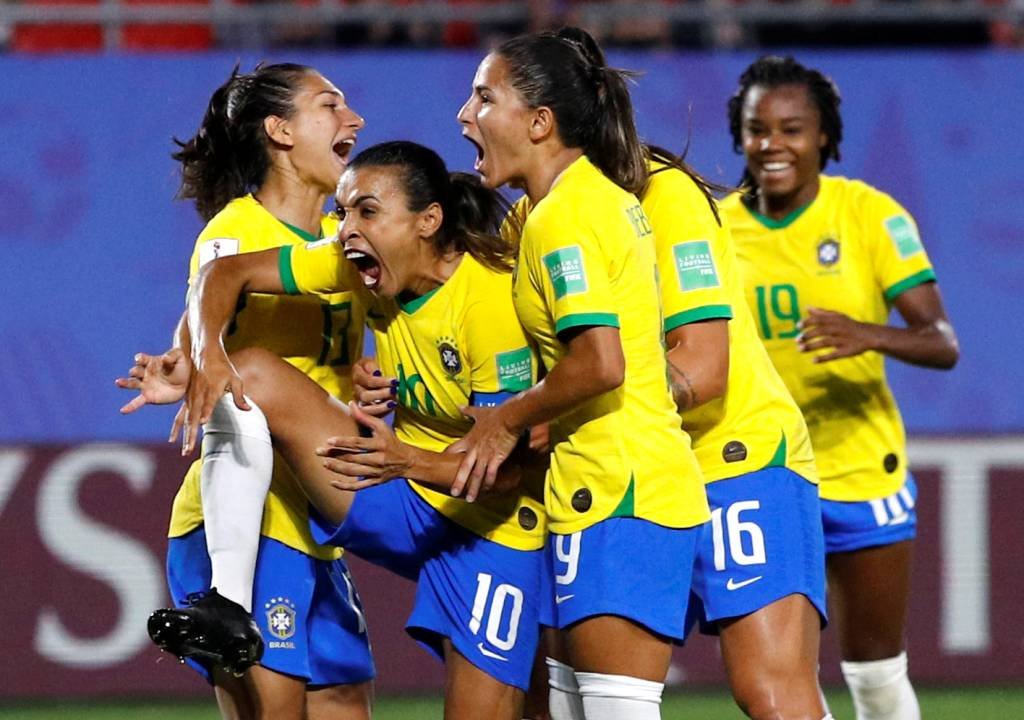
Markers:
point(695, 267)
point(565, 268)
point(217, 247)
point(515, 370)
point(904, 235)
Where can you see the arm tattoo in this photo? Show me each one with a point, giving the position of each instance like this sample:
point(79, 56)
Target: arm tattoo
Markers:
point(682, 387)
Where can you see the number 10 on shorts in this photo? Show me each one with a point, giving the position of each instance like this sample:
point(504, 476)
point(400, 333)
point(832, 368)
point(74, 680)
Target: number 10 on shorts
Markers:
point(497, 601)
point(740, 533)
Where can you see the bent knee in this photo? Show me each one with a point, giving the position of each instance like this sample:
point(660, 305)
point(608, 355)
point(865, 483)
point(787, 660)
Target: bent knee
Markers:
point(777, 696)
point(253, 364)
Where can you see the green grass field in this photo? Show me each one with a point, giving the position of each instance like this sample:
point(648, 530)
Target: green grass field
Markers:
point(936, 704)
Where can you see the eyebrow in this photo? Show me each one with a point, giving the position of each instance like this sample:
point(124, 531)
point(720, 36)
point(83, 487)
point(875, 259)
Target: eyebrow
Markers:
point(330, 92)
point(481, 88)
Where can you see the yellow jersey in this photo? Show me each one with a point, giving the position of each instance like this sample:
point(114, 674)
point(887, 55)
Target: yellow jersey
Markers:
point(853, 250)
point(587, 259)
point(318, 336)
point(460, 344)
point(756, 423)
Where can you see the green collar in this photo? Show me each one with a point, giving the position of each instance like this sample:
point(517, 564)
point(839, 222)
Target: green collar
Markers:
point(417, 302)
point(305, 236)
point(773, 224)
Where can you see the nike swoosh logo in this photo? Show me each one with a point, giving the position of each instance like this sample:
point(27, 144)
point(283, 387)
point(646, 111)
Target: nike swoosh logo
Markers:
point(559, 599)
point(489, 653)
point(732, 585)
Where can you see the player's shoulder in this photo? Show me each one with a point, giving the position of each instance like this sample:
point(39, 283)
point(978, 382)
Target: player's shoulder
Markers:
point(234, 219)
point(852, 192)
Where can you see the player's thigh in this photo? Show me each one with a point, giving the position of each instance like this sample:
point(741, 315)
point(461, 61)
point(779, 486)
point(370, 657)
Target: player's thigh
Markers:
point(260, 694)
point(302, 415)
point(614, 645)
point(869, 590)
point(471, 693)
point(334, 702)
point(621, 588)
point(771, 657)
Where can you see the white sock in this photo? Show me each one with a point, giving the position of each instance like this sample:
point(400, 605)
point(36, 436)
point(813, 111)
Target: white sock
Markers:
point(564, 701)
point(619, 697)
point(238, 463)
point(828, 717)
point(881, 689)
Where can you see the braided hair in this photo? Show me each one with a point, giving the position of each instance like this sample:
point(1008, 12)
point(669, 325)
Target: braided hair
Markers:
point(772, 71)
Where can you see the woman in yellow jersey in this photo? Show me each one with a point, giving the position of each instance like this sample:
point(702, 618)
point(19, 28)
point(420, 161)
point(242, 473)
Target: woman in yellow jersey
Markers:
point(438, 291)
point(267, 154)
point(624, 494)
point(759, 579)
point(823, 259)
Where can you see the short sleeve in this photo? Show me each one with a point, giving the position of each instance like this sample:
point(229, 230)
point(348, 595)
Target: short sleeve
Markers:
point(690, 251)
point(316, 268)
point(571, 269)
point(898, 255)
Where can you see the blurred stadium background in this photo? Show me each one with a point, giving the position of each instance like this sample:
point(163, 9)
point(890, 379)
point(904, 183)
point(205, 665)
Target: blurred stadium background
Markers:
point(91, 92)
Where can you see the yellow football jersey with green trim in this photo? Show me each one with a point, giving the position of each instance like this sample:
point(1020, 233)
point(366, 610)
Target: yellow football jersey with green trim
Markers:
point(756, 423)
point(587, 259)
point(450, 348)
point(852, 250)
point(318, 336)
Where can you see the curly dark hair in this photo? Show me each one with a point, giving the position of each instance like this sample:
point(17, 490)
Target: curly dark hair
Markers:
point(772, 71)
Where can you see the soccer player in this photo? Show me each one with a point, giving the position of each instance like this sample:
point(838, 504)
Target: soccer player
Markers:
point(268, 153)
point(759, 578)
point(438, 291)
point(624, 494)
point(824, 259)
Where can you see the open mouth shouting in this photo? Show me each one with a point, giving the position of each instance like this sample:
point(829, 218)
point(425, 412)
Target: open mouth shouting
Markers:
point(342, 149)
point(368, 266)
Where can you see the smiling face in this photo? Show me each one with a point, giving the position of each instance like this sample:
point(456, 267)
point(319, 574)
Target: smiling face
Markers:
point(782, 142)
point(497, 121)
point(321, 132)
point(382, 237)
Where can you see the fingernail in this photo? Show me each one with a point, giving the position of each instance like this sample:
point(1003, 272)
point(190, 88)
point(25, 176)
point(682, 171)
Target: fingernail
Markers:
point(392, 404)
point(394, 384)
point(376, 373)
point(394, 390)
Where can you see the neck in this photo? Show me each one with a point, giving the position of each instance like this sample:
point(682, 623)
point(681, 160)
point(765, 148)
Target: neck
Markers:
point(437, 269)
point(289, 199)
point(538, 182)
point(778, 207)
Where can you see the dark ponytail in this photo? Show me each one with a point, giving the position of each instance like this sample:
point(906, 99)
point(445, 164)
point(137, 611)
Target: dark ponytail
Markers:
point(772, 71)
point(670, 160)
point(229, 155)
point(566, 71)
point(472, 214)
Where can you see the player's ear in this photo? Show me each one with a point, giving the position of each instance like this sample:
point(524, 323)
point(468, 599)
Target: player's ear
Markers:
point(279, 130)
point(431, 219)
point(542, 124)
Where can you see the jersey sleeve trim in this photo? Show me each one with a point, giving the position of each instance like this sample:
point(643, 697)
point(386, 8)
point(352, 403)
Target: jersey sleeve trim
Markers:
point(707, 312)
point(582, 319)
point(284, 266)
point(918, 278)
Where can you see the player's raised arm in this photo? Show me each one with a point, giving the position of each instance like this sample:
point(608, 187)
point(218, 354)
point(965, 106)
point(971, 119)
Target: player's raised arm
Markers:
point(211, 305)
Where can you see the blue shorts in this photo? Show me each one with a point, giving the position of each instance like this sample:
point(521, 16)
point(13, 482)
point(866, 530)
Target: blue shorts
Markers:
point(627, 567)
point(764, 542)
point(307, 609)
point(884, 521)
point(480, 595)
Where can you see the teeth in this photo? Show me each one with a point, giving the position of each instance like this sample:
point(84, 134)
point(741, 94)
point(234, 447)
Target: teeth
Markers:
point(368, 281)
point(774, 166)
point(354, 254)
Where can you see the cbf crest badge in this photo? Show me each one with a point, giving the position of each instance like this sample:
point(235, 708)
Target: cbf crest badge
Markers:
point(450, 359)
point(828, 252)
point(280, 617)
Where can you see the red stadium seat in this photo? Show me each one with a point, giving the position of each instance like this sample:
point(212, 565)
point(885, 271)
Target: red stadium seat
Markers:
point(166, 36)
point(57, 37)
